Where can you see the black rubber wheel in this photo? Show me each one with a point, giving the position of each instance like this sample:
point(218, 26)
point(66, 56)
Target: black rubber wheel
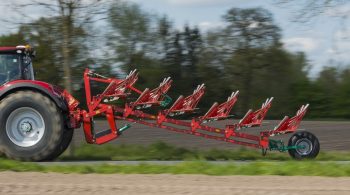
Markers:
point(67, 138)
point(31, 126)
point(309, 141)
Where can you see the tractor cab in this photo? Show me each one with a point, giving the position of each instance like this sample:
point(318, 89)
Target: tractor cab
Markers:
point(16, 63)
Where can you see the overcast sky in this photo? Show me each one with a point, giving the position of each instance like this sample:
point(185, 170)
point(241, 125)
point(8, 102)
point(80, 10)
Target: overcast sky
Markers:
point(326, 38)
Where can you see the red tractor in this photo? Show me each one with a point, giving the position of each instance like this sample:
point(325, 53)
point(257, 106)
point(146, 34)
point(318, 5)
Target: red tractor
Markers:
point(37, 119)
point(33, 114)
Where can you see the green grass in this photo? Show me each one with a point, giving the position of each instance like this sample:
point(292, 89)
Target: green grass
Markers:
point(289, 168)
point(163, 151)
point(274, 163)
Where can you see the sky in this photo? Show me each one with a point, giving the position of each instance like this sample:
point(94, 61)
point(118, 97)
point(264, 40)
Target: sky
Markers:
point(325, 40)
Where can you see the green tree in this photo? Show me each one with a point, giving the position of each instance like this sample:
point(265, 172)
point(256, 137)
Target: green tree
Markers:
point(150, 44)
point(342, 96)
point(248, 32)
point(12, 39)
point(193, 44)
point(246, 54)
point(133, 37)
point(130, 34)
point(327, 84)
point(46, 36)
point(182, 58)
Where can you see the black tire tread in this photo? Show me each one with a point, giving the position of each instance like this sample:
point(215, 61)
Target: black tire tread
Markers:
point(304, 134)
point(67, 138)
point(56, 116)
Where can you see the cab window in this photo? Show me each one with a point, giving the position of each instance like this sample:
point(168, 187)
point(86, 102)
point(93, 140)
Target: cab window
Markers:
point(9, 68)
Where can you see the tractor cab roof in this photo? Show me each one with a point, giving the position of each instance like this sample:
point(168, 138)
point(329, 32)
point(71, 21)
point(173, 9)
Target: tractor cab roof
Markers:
point(17, 49)
point(7, 48)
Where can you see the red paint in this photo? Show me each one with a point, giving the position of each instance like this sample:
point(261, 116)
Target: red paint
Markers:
point(42, 84)
point(8, 49)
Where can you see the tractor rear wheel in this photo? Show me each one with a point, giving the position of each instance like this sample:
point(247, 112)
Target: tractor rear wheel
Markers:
point(307, 145)
point(67, 138)
point(31, 126)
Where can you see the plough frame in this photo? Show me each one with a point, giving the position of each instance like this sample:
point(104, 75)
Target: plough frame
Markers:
point(121, 88)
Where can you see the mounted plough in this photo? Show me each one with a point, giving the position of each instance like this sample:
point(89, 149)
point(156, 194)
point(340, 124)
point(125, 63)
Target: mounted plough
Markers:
point(301, 145)
point(37, 119)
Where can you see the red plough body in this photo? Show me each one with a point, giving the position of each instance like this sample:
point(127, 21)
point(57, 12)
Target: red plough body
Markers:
point(122, 88)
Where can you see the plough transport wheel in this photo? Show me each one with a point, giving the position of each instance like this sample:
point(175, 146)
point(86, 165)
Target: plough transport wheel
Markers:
point(306, 145)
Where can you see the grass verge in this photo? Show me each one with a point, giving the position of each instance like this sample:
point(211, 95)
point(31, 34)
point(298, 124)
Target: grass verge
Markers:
point(163, 151)
point(289, 168)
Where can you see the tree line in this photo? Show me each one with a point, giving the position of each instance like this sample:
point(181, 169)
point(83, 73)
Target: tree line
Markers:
point(245, 54)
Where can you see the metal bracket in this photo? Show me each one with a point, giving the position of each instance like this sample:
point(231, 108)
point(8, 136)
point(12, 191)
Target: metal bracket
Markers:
point(167, 100)
point(278, 145)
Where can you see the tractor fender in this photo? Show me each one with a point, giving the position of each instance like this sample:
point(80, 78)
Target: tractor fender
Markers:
point(51, 91)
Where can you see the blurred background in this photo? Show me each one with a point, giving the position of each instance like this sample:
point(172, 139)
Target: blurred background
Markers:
point(295, 51)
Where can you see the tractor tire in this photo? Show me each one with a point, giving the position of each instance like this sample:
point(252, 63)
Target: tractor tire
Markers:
point(31, 126)
point(67, 138)
point(310, 143)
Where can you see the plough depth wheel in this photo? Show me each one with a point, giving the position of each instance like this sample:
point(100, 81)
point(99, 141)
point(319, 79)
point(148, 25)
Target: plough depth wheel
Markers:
point(305, 145)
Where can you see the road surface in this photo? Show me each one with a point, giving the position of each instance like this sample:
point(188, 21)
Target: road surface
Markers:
point(84, 184)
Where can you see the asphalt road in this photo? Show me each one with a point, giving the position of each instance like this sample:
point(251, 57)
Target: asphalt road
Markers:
point(333, 135)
